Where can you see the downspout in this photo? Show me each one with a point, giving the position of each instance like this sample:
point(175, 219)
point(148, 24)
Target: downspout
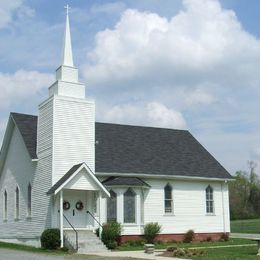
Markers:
point(61, 220)
point(223, 208)
point(99, 217)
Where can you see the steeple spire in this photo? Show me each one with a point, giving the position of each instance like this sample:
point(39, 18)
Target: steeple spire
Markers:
point(67, 58)
point(67, 79)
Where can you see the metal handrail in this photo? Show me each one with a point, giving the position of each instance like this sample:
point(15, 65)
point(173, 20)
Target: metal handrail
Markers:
point(76, 232)
point(94, 218)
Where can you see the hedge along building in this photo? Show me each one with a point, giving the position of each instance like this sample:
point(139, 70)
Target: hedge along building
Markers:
point(63, 166)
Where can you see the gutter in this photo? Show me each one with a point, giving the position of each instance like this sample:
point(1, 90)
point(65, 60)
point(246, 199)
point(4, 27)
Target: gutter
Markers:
point(161, 176)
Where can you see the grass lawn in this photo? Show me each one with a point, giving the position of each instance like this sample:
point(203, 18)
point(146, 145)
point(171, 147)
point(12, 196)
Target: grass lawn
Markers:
point(234, 241)
point(223, 253)
point(230, 253)
point(31, 249)
point(250, 226)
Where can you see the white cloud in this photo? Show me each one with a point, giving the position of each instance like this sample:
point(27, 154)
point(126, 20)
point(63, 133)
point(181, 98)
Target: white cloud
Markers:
point(201, 61)
point(108, 8)
point(151, 114)
point(7, 8)
point(25, 11)
point(22, 85)
point(203, 42)
point(3, 124)
point(199, 97)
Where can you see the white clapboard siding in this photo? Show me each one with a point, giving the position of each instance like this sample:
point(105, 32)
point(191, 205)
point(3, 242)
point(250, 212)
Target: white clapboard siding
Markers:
point(189, 207)
point(189, 203)
point(82, 181)
point(19, 169)
point(45, 124)
point(73, 134)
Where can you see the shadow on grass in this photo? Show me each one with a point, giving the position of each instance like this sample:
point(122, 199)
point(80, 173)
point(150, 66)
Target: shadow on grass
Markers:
point(33, 249)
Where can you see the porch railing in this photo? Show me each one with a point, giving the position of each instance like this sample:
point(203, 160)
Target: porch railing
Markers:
point(88, 212)
point(76, 233)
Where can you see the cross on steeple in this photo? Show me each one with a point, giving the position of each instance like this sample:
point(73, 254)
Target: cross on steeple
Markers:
point(67, 58)
point(67, 7)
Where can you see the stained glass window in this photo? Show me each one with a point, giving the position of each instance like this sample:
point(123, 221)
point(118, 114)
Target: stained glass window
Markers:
point(111, 207)
point(129, 206)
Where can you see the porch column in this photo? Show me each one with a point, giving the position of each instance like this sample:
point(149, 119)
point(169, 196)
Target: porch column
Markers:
point(61, 219)
point(120, 206)
point(99, 215)
point(138, 208)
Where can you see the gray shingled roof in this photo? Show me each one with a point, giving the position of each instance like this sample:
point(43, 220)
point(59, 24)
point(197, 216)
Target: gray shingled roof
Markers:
point(140, 150)
point(122, 181)
point(63, 178)
point(27, 124)
point(150, 150)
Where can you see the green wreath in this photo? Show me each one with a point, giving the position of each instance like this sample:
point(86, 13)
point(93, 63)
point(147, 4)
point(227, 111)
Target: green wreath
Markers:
point(79, 205)
point(66, 205)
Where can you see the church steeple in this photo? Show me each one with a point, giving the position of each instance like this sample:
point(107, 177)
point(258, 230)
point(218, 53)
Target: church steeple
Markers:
point(67, 57)
point(67, 83)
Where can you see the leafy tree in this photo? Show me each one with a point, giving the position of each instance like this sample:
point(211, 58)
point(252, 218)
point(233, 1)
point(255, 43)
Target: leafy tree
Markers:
point(245, 194)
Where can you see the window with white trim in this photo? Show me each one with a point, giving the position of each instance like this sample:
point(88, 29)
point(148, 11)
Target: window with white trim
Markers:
point(129, 206)
point(29, 200)
point(209, 200)
point(17, 202)
point(168, 203)
point(112, 207)
point(5, 206)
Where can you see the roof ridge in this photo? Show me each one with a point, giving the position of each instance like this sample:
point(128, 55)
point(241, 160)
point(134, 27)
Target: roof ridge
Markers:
point(117, 124)
point(143, 126)
point(16, 113)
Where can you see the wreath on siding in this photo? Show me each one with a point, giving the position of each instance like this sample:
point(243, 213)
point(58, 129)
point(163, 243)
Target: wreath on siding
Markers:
point(79, 205)
point(66, 205)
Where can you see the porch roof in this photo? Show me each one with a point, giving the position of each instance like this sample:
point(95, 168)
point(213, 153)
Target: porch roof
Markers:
point(125, 181)
point(69, 175)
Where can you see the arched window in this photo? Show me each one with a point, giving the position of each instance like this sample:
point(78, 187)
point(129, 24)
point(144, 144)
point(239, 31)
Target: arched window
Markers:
point(5, 205)
point(29, 200)
point(168, 205)
point(17, 200)
point(209, 200)
point(111, 207)
point(129, 206)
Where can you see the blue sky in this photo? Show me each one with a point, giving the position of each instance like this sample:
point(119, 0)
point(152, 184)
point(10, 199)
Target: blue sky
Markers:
point(191, 64)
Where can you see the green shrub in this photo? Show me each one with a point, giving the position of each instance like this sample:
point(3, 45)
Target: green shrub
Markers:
point(209, 239)
point(171, 248)
point(179, 252)
point(50, 238)
point(150, 231)
point(110, 234)
point(224, 237)
point(189, 236)
point(184, 252)
point(111, 244)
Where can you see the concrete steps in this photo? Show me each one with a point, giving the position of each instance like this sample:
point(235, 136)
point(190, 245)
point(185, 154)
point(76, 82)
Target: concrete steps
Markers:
point(87, 241)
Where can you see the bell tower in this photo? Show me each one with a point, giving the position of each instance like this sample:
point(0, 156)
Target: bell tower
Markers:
point(66, 122)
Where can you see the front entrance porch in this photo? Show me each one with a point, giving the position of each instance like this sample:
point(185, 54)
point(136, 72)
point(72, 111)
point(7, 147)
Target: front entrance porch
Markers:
point(76, 198)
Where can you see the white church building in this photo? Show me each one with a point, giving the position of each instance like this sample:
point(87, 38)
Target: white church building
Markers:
point(62, 169)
